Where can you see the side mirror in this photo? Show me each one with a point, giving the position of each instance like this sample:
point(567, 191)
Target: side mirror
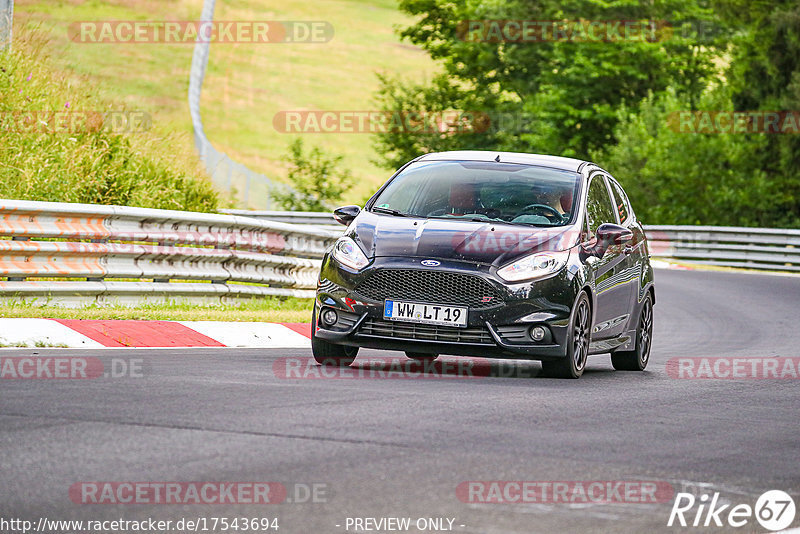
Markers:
point(614, 234)
point(610, 234)
point(346, 214)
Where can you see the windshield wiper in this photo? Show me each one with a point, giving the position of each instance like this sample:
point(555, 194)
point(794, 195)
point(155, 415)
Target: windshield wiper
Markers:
point(490, 220)
point(470, 219)
point(388, 211)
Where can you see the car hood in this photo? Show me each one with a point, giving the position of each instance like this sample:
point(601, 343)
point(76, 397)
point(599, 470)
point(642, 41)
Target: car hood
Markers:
point(479, 242)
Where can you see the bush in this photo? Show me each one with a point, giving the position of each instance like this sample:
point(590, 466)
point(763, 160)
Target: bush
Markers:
point(689, 178)
point(316, 180)
point(88, 164)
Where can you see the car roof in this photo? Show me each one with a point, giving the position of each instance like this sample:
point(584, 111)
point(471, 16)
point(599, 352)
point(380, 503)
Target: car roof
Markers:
point(542, 160)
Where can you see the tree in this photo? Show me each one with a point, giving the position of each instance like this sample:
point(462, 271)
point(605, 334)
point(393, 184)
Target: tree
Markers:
point(675, 177)
point(567, 91)
point(316, 180)
point(764, 74)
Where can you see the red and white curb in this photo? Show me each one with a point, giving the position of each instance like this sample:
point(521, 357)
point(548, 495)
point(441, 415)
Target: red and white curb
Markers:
point(97, 334)
point(661, 264)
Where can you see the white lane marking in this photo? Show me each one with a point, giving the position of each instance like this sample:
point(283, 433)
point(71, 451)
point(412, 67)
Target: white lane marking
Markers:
point(662, 264)
point(265, 335)
point(45, 332)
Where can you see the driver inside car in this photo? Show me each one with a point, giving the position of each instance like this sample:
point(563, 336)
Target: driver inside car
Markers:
point(555, 199)
point(546, 205)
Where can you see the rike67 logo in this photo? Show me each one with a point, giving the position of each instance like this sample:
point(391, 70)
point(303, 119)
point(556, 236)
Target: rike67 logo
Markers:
point(774, 510)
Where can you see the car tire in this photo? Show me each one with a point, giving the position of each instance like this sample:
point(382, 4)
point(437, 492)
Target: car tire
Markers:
point(422, 356)
point(330, 354)
point(578, 339)
point(636, 359)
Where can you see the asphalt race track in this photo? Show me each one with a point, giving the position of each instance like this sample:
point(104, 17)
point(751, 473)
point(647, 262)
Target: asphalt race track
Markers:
point(400, 447)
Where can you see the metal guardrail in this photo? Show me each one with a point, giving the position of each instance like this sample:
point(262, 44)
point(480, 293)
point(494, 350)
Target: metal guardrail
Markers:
point(65, 253)
point(750, 248)
point(81, 252)
point(6, 22)
point(307, 218)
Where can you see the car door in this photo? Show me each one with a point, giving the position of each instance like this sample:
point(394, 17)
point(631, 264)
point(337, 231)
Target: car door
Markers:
point(635, 252)
point(612, 289)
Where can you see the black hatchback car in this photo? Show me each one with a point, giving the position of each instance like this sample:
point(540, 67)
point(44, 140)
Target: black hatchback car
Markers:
point(489, 254)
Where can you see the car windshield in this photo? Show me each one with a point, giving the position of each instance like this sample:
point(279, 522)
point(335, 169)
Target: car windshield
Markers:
point(482, 191)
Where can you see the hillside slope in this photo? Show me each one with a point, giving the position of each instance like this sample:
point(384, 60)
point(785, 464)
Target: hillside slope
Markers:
point(61, 141)
point(247, 84)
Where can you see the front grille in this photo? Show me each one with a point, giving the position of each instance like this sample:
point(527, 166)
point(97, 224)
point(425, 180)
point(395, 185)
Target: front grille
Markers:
point(425, 332)
point(436, 287)
point(514, 333)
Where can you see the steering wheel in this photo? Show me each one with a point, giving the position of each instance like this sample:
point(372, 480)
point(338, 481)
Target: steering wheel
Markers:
point(436, 213)
point(553, 214)
point(489, 212)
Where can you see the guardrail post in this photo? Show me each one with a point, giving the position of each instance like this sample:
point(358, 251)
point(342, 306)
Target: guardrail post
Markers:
point(222, 247)
point(6, 23)
point(18, 238)
point(97, 278)
point(163, 280)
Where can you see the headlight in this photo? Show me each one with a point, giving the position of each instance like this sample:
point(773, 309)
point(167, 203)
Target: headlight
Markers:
point(346, 252)
point(534, 266)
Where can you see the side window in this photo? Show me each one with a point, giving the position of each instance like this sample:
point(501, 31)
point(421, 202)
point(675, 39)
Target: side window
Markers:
point(599, 208)
point(622, 204)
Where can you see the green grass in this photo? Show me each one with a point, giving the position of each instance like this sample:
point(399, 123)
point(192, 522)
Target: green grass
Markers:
point(246, 84)
point(273, 310)
point(37, 344)
point(85, 162)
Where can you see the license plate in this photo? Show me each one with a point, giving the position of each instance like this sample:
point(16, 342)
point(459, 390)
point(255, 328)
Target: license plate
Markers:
point(415, 312)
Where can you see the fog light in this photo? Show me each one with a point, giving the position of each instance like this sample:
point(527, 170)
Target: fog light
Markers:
point(538, 333)
point(329, 317)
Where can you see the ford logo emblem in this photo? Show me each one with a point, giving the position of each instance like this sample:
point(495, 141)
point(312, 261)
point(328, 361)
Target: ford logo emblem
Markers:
point(430, 263)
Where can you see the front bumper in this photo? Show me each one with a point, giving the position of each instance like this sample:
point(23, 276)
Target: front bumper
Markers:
point(500, 330)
